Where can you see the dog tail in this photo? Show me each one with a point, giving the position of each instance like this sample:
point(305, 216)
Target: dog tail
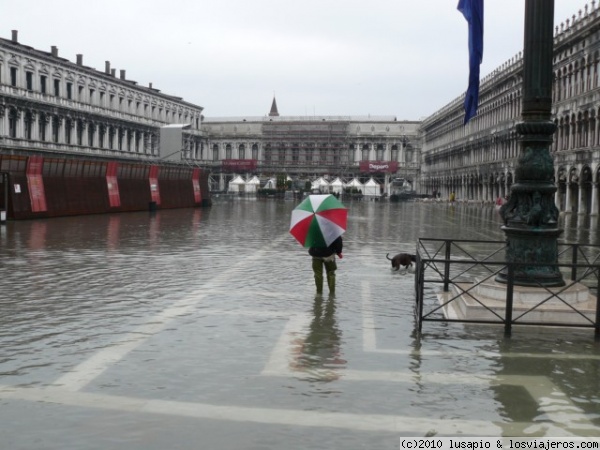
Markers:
point(387, 255)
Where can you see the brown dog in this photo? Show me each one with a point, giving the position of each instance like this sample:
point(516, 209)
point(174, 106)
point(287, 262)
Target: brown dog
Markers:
point(402, 259)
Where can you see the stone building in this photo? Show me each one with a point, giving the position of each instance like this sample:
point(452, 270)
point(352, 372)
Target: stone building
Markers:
point(477, 161)
point(308, 147)
point(51, 105)
point(75, 140)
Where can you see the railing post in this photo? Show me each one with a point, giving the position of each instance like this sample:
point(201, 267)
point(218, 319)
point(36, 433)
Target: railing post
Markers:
point(597, 324)
point(447, 266)
point(575, 250)
point(509, 300)
point(420, 299)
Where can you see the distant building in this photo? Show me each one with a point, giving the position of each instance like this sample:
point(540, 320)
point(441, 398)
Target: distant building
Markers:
point(308, 147)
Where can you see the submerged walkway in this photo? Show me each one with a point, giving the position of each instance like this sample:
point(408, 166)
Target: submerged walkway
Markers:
point(250, 358)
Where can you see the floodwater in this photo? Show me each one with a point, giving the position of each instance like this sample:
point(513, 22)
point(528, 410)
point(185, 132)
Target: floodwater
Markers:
point(200, 329)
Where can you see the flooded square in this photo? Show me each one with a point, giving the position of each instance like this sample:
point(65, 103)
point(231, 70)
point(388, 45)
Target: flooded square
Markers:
point(200, 328)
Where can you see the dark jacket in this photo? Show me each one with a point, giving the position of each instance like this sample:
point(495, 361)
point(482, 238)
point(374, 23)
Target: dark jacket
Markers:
point(334, 247)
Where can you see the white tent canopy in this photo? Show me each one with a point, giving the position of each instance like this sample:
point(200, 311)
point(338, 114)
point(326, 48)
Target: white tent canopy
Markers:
point(321, 184)
point(270, 184)
point(237, 184)
point(372, 188)
point(252, 184)
point(355, 184)
point(337, 186)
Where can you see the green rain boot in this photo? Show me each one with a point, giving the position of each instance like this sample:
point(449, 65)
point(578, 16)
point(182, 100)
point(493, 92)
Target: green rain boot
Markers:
point(317, 266)
point(331, 282)
point(331, 267)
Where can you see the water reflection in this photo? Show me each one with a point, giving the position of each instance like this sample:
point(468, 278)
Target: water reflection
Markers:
point(579, 228)
point(545, 389)
point(319, 353)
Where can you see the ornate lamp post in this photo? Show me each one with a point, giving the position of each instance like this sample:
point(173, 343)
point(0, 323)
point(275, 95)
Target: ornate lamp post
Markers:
point(530, 216)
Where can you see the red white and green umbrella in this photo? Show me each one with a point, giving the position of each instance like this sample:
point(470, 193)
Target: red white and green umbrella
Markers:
point(318, 220)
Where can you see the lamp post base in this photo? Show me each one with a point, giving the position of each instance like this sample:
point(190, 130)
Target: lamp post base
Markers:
point(538, 247)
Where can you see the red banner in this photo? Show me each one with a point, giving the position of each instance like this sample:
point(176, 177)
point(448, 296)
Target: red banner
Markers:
point(35, 183)
point(114, 198)
point(239, 165)
point(379, 166)
point(153, 179)
point(196, 184)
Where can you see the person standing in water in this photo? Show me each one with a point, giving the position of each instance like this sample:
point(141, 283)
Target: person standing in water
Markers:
point(325, 257)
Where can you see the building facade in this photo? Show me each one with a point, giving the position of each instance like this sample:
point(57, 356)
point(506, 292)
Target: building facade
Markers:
point(477, 161)
point(309, 147)
point(56, 106)
point(66, 127)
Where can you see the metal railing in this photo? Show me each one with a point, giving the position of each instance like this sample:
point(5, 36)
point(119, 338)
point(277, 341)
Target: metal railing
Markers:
point(461, 267)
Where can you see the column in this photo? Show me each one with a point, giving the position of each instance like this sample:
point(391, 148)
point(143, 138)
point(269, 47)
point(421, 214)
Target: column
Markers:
point(594, 209)
point(568, 198)
point(3, 120)
point(95, 133)
point(143, 142)
point(62, 130)
point(20, 124)
point(84, 133)
point(582, 207)
point(35, 128)
point(402, 152)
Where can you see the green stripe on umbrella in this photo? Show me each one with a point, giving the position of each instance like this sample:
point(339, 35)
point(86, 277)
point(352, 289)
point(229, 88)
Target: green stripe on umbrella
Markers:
point(318, 220)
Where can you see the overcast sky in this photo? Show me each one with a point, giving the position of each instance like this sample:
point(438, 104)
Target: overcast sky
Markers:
point(318, 57)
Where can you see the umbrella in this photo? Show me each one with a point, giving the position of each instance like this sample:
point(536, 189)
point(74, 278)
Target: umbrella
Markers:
point(318, 220)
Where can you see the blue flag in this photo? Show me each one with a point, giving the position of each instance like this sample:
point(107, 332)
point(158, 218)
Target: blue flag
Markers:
point(473, 12)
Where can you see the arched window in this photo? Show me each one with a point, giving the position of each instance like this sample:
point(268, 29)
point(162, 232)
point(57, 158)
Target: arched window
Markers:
point(323, 153)
point(282, 153)
point(309, 152)
point(55, 128)
point(91, 135)
point(365, 152)
point(111, 137)
point(120, 137)
point(28, 125)
point(12, 123)
point(394, 155)
point(380, 152)
point(42, 124)
point(101, 135)
point(79, 132)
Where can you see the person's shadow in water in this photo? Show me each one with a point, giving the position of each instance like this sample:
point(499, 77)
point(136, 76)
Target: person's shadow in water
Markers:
point(319, 353)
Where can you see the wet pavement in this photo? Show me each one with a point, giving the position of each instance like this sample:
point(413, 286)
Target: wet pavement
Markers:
point(189, 329)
